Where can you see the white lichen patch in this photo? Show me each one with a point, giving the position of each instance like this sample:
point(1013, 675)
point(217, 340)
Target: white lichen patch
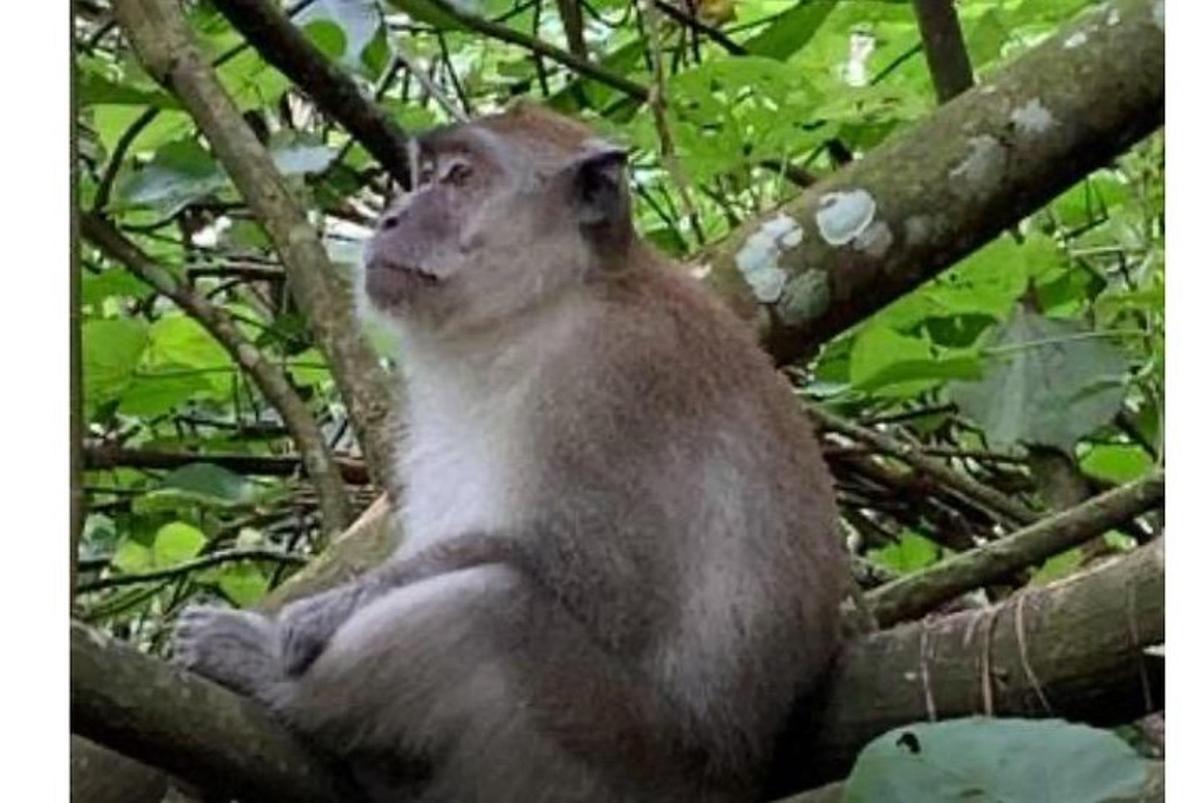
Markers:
point(983, 164)
point(875, 240)
point(1159, 12)
point(701, 271)
point(1113, 18)
point(806, 297)
point(1077, 39)
point(1033, 118)
point(758, 258)
point(842, 216)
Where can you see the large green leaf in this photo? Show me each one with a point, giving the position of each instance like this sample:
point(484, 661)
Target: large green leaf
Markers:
point(111, 351)
point(1046, 382)
point(792, 30)
point(995, 761)
point(177, 542)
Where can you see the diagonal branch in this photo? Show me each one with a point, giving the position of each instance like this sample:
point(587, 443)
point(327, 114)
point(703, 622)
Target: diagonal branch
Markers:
point(267, 28)
point(914, 594)
point(907, 210)
point(163, 43)
point(271, 380)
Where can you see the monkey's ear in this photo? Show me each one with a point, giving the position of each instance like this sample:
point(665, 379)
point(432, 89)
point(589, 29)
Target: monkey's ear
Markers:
point(601, 198)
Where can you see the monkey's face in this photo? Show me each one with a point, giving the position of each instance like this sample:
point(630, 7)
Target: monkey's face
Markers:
point(505, 213)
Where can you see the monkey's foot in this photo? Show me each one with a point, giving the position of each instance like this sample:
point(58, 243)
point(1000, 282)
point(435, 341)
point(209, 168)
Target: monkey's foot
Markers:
point(307, 625)
point(238, 649)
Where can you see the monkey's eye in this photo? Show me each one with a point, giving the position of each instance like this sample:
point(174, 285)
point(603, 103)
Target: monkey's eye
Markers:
point(455, 173)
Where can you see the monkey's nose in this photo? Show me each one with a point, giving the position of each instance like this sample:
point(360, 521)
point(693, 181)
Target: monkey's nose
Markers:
point(389, 221)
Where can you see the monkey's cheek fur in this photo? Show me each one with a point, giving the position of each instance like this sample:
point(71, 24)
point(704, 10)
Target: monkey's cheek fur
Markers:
point(394, 287)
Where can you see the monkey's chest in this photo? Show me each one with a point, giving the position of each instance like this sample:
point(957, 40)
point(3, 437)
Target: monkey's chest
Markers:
point(459, 479)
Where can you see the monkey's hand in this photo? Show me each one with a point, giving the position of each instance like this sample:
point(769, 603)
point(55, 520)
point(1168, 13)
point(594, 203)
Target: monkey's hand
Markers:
point(307, 625)
point(238, 649)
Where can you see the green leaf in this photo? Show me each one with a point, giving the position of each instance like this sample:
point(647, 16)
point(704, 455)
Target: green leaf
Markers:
point(995, 761)
point(244, 583)
point(177, 542)
point(180, 172)
point(214, 482)
point(95, 288)
point(882, 359)
point(910, 553)
point(355, 22)
point(178, 339)
point(791, 31)
point(111, 351)
point(1046, 382)
point(1058, 567)
point(328, 37)
point(132, 557)
point(1118, 463)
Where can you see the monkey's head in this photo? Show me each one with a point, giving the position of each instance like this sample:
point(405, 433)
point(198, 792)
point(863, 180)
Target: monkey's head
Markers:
point(504, 213)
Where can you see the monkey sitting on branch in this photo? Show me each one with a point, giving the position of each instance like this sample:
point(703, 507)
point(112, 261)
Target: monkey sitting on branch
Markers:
point(621, 567)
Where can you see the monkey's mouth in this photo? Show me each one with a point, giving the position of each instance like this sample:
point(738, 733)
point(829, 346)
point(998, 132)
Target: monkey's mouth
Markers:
point(390, 283)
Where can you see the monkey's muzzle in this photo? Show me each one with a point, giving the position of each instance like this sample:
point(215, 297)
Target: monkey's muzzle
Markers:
point(391, 283)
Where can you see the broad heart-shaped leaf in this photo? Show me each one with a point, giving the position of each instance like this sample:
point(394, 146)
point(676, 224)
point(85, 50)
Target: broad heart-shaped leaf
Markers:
point(111, 351)
point(981, 760)
point(887, 363)
point(176, 542)
point(244, 583)
point(1046, 382)
point(791, 31)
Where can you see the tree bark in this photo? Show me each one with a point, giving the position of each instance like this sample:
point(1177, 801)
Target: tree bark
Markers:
point(1074, 649)
point(167, 718)
point(945, 50)
point(933, 194)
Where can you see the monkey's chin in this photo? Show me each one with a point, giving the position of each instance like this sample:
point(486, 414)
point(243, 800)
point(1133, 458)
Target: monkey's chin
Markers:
point(394, 288)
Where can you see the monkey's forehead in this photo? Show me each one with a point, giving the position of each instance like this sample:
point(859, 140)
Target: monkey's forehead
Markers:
point(526, 125)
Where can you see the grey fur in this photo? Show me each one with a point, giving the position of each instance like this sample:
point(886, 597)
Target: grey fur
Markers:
point(621, 568)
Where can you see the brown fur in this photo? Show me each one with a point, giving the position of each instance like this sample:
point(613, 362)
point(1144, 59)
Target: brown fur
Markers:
point(621, 570)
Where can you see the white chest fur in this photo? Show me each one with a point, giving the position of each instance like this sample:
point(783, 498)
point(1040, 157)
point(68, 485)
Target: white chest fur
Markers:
point(463, 447)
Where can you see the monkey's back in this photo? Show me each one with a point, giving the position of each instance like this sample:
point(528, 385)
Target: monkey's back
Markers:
point(705, 496)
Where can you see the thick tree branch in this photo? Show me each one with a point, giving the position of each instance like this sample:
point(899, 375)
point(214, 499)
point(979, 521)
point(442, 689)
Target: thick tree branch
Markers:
point(915, 594)
point(920, 202)
point(945, 50)
point(269, 377)
point(1073, 649)
point(162, 41)
point(168, 718)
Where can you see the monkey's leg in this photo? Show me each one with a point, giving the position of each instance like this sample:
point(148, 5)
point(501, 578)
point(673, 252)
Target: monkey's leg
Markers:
point(307, 625)
point(238, 649)
point(499, 687)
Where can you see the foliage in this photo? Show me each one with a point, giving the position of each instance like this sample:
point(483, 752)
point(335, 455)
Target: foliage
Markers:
point(1051, 336)
point(988, 760)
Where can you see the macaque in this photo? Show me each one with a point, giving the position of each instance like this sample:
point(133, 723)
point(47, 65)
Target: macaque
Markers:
point(620, 570)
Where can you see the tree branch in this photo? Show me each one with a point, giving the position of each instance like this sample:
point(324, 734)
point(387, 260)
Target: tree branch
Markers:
point(912, 454)
point(945, 50)
point(165, 717)
point(931, 195)
point(101, 455)
point(269, 31)
point(1059, 650)
point(271, 380)
point(1073, 649)
point(163, 43)
point(914, 594)
point(189, 566)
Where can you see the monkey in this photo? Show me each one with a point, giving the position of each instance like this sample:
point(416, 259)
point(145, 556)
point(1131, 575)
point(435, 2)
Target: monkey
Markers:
point(620, 568)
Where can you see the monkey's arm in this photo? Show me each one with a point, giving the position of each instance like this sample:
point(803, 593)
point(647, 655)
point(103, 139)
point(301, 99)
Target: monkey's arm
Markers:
point(306, 625)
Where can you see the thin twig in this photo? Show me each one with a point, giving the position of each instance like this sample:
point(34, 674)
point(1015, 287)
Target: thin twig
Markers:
point(187, 567)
